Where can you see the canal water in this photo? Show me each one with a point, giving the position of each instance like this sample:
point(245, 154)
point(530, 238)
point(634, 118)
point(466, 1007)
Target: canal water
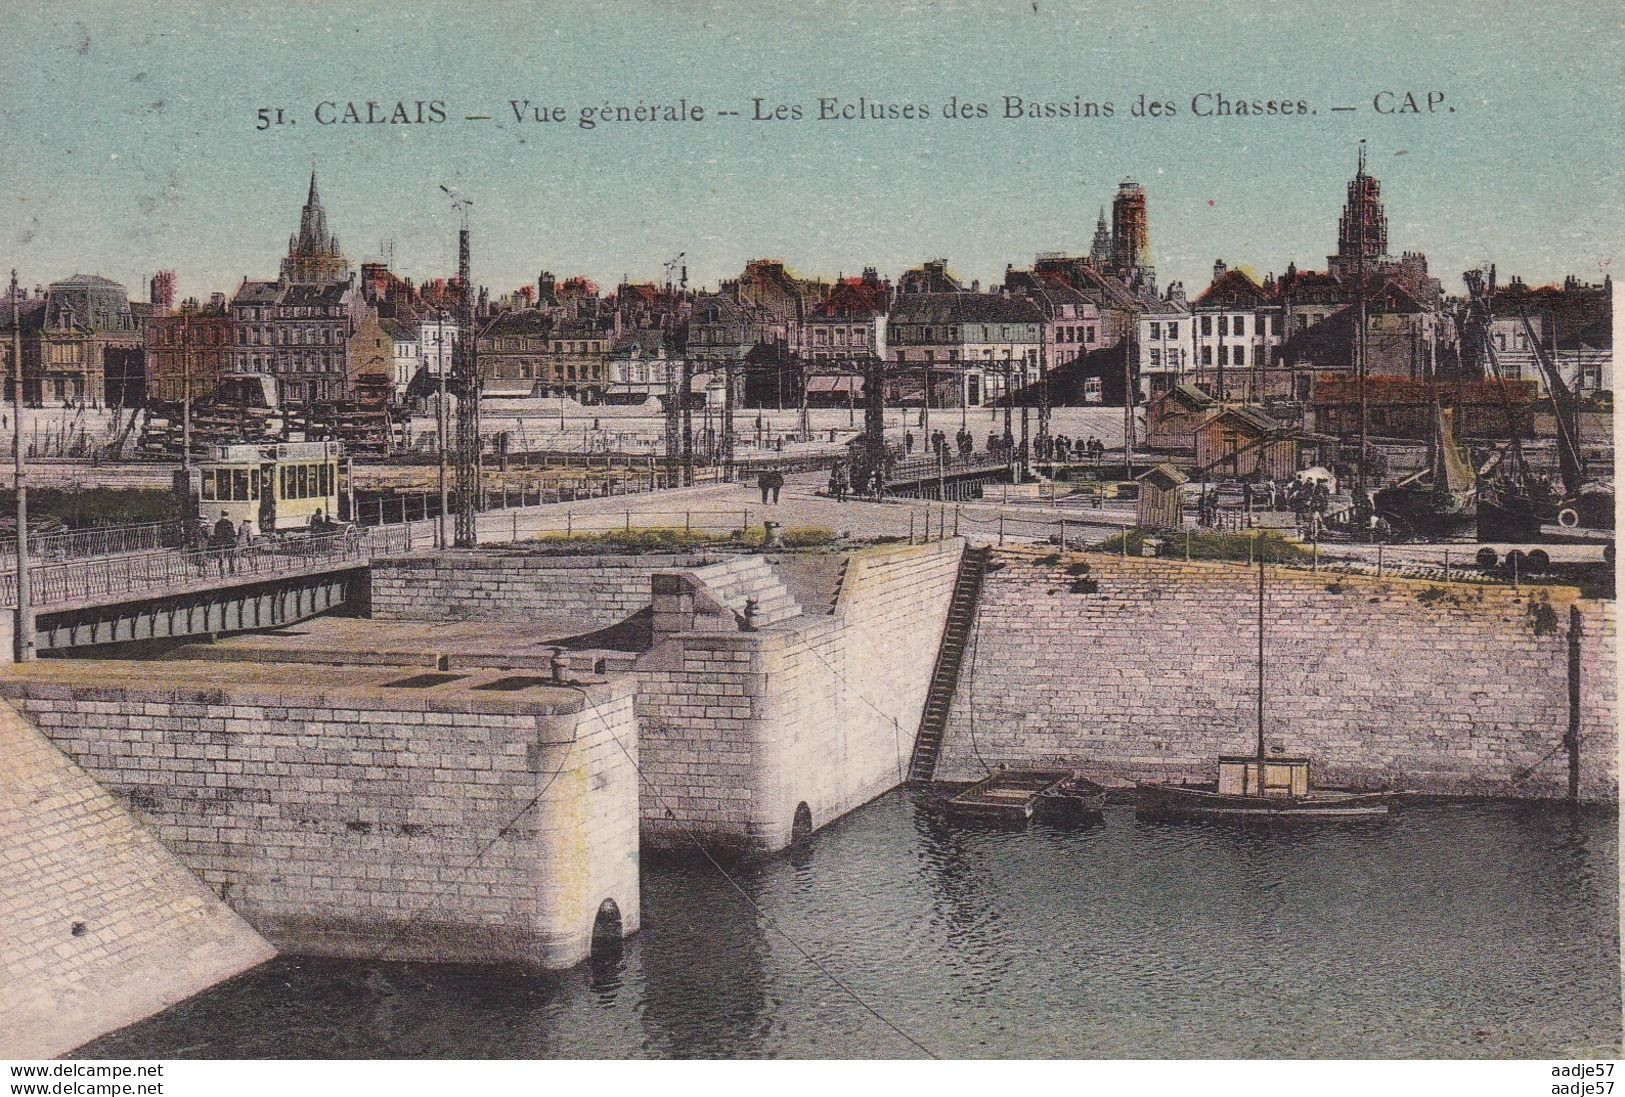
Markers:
point(1449, 930)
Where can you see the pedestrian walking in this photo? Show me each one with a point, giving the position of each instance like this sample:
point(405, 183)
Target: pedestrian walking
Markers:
point(764, 481)
point(775, 481)
point(223, 541)
point(908, 442)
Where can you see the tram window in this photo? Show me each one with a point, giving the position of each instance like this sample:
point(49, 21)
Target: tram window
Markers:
point(208, 484)
point(287, 482)
point(254, 484)
point(239, 485)
point(304, 481)
point(329, 477)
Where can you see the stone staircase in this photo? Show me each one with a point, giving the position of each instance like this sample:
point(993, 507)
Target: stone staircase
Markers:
point(945, 677)
point(741, 578)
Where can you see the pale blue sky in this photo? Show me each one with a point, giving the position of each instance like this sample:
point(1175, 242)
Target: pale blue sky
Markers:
point(129, 139)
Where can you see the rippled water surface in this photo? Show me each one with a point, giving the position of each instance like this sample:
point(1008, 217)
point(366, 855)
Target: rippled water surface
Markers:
point(1449, 930)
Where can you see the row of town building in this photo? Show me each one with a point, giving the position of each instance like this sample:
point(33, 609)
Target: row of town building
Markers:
point(1067, 329)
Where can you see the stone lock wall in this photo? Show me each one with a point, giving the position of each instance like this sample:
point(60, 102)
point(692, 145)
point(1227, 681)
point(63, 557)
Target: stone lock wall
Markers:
point(100, 925)
point(739, 728)
point(1447, 689)
point(350, 823)
point(597, 590)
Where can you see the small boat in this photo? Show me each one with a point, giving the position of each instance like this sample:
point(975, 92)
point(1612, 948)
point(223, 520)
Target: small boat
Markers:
point(1440, 503)
point(1259, 786)
point(1284, 792)
point(1013, 795)
point(1074, 798)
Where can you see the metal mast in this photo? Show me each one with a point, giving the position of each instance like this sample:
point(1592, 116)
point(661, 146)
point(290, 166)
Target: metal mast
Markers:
point(1360, 344)
point(25, 611)
point(465, 371)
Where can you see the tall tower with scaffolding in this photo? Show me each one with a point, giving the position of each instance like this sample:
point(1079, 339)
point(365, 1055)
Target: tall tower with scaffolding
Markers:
point(466, 382)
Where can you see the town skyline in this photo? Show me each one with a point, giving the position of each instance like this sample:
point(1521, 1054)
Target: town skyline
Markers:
point(169, 172)
point(653, 267)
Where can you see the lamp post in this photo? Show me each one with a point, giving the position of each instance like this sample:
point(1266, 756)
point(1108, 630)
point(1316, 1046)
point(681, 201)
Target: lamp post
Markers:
point(25, 614)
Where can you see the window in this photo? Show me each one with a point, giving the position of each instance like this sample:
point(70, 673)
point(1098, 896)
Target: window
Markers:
point(1224, 325)
point(1224, 352)
point(1207, 356)
point(1089, 334)
point(1241, 356)
point(1156, 330)
point(1173, 331)
point(1241, 325)
point(1207, 325)
point(1156, 357)
point(860, 337)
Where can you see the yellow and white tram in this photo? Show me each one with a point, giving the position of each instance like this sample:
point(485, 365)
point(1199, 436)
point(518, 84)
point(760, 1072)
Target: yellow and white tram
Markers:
point(274, 486)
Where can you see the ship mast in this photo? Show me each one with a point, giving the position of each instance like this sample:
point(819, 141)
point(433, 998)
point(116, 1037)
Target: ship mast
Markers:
point(1360, 342)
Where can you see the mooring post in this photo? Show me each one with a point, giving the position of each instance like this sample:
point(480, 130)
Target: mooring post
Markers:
point(516, 527)
point(1063, 534)
point(911, 526)
point(956, 519)
point(1001, 530)
point(1379, 559)
point(1572, 739)
point(1122, 542)
point(569, 523)
point(629, 519)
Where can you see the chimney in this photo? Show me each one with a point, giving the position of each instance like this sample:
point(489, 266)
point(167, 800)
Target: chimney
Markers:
point(1219, 269)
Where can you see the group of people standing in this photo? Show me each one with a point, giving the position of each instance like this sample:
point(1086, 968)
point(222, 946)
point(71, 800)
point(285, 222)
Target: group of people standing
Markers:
point(840, 485)
point(963, 444)
point(1062, 448)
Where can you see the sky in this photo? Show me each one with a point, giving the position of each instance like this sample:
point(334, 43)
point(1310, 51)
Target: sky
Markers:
point(130, 139)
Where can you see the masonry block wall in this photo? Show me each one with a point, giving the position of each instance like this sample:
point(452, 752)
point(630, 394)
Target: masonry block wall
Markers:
point(739, 728)
point(100, 925)
point(376, 823)
point(1447, 689)
point(597, 590)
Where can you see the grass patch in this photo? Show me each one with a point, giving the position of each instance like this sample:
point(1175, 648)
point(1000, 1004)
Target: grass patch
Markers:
point(806, 536)
point(643, 539)
point(1210, 545)
point(675, 538)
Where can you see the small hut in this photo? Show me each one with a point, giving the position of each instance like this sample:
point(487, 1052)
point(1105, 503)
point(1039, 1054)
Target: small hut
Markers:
point(1162, 498)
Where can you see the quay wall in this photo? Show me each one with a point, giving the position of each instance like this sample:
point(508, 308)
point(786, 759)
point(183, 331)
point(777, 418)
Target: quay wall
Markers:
point(100, 925)
point(493, 584)
point(741, 728)
point(1409, 684)
point(372, 822)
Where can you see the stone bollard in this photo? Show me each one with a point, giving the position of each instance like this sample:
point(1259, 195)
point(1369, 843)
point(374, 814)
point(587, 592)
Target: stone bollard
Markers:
point(770, 538)
point(556, 666)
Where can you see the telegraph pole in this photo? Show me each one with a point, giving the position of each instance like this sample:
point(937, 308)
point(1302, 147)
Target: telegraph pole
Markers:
point(466, 370)
point(686, 397)
point(25, 612)
point(440, 371)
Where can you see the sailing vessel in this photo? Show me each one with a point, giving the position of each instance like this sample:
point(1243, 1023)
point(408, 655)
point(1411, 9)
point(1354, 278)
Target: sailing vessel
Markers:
point(1439, 503)
point(1516, 503)
point(1257, 787)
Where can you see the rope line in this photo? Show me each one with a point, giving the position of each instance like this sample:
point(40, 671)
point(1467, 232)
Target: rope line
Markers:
point(757, 907)
point(502, 830)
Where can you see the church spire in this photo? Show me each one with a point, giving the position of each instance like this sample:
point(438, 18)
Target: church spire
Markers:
point(1101, 249)
point(313, 253)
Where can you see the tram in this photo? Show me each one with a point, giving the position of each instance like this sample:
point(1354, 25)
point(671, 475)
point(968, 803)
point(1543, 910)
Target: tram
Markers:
point(274, 486)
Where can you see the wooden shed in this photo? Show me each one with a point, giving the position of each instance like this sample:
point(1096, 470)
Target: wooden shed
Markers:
point(1243, 442)
point(1161, 498)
